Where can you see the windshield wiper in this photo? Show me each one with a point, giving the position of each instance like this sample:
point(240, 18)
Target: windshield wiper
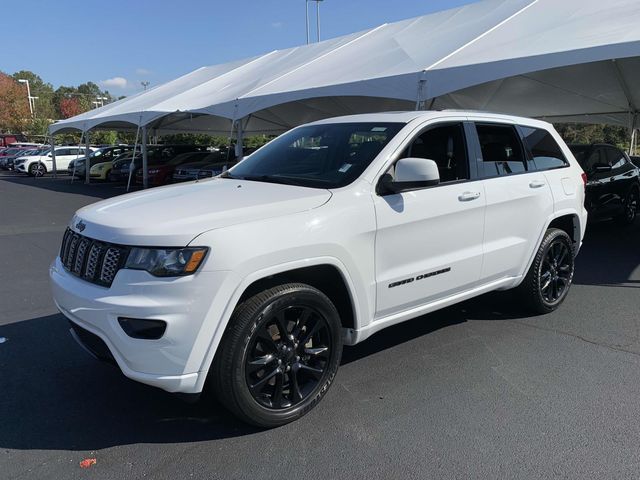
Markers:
point(269, 179)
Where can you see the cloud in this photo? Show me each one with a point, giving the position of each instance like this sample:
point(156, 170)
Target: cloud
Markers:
point(143, 71)
point(115, 82)
point(277, 24)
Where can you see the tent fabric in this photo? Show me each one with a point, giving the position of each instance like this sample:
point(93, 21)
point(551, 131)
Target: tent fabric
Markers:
point(575, 60)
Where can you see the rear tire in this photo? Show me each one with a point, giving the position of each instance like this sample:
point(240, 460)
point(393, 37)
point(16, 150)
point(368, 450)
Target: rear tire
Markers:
point(631, 205)
point(278, 356)
point(37, 169)
point(550, 276)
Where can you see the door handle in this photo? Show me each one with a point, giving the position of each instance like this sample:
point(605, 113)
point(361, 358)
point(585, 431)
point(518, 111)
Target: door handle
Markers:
point(469, 196)
point(537, 184)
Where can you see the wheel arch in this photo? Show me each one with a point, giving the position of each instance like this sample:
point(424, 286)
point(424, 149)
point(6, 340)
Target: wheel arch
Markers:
point(321, 273)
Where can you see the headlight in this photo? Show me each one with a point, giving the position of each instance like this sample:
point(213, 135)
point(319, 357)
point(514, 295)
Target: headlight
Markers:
point(166, 262)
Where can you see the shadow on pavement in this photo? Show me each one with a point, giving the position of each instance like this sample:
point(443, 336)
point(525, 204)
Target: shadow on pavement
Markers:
point(62, 184)
point(610, 256)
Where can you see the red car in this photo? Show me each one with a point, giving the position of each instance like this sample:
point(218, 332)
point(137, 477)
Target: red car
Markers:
point(162, 173)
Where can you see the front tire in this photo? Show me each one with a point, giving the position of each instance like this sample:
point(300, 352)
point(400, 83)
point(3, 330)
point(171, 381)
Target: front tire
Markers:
point(550, 276)
point(279, 355)
point(37, 169)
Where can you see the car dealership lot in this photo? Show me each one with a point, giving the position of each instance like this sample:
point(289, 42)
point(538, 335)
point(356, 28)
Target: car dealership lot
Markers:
point(477, 390)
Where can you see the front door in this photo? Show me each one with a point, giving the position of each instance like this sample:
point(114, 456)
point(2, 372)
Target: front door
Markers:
point(429, 241)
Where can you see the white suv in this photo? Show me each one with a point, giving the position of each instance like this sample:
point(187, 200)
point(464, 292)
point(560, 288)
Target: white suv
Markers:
point(250, 283)
point(38, 165)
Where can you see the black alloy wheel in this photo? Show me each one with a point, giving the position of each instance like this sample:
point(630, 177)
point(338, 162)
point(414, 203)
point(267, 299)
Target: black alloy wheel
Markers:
point(556, 271)
point(549, 278)
point(288, 356)
point(278, 356)
point(631, 204)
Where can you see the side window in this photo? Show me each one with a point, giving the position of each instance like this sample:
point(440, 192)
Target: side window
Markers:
point(446, 146)
point(63, 151)
point(501, 150)
point(615, 158)
point(546, 152)
point(597, 157)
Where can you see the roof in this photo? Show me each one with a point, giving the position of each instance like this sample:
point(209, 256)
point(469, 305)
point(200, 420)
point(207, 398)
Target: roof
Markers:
point(540, 58)
point(409, 116)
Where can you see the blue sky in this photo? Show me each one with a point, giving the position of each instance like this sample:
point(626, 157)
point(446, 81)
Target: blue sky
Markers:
point(119, 43)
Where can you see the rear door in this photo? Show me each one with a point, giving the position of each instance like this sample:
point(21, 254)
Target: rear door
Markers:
point(429, 241)
point(549, 158)
point(519, 200)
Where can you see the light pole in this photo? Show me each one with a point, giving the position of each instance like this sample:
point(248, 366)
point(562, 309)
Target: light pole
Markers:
point(29, 97)
point(306, 8)
point(145, 84)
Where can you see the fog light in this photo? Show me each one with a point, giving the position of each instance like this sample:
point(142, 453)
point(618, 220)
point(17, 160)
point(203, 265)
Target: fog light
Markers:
point(143, 329)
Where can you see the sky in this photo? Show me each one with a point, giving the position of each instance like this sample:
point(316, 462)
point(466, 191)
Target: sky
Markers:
point(120, 43)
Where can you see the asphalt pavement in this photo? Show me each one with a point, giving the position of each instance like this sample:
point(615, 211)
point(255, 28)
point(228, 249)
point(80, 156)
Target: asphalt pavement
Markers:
point(479, 390)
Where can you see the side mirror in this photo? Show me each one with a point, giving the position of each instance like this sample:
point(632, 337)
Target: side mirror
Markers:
point(411, 174)
point(50, 155)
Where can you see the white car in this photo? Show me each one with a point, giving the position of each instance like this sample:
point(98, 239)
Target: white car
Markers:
point(250, 283)
point(38, 165)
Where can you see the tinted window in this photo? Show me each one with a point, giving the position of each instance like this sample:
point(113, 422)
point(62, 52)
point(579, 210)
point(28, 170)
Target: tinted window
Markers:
point(446, 146)
point(501, 150)
point(596, 157)
point(546, 152)
point(615, 158)
point(320, 156)
point(63, 151)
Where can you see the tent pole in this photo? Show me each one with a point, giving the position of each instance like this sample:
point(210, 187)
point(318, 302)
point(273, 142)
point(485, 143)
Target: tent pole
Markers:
point(145, 171)
point(87, 178)
point(53, 156)
point(239, 140)
point(133, 158)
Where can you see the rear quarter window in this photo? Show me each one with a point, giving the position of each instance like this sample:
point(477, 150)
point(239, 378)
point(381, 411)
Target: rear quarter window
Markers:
point(545, 151)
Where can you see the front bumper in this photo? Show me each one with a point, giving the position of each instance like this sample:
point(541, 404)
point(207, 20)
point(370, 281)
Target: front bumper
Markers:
point(173, 362)
point(20, 168)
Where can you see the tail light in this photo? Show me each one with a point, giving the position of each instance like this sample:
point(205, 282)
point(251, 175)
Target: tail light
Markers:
point(584, 179)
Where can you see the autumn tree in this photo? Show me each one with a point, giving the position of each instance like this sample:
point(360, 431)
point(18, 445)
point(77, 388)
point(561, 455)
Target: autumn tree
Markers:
point(70, 107)
point(14, 106)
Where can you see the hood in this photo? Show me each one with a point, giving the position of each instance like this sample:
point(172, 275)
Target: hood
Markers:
point(176, 214)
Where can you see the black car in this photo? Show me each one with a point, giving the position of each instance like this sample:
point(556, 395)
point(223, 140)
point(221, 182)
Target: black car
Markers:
point(613, 182)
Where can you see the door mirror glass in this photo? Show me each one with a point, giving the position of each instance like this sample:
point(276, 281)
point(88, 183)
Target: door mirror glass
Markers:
point(411, 174)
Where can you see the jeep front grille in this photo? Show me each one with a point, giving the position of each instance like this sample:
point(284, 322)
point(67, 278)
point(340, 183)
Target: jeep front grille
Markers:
point(94, 261)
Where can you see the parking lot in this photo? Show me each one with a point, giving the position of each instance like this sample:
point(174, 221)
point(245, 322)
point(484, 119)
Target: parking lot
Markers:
point(479, 390)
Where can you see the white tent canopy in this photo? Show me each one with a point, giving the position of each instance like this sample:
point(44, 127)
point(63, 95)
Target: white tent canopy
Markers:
point(574, 60)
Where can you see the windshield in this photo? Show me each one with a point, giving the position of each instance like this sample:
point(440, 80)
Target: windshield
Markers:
point(318, 156)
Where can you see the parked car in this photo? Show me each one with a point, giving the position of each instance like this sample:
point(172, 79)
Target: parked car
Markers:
point(162, 173)
point(10, 151)
point(38, 165)
point(7, 162)
point(100, 155)
point(249, 284)
point(155, 155)
point(613, 182)
point(213, 169)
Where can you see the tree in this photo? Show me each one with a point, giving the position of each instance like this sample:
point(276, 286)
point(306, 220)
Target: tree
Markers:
point(14, 107)
point(44, 105)
point(70, 107)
